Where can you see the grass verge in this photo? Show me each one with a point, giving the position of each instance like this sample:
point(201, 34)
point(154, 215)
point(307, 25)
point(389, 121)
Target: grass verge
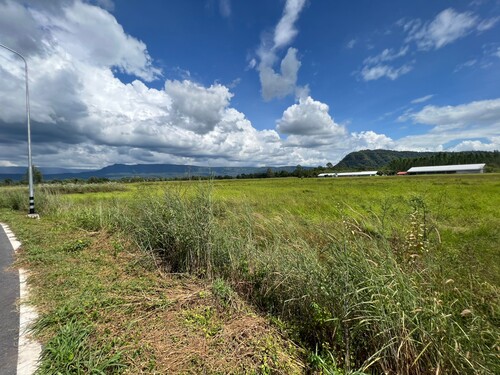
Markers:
point(106, 308)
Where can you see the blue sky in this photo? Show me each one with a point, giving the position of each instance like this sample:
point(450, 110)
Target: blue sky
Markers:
point(233, 82)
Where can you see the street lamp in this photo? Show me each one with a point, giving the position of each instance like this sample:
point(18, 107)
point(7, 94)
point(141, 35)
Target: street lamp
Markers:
point(31, 213)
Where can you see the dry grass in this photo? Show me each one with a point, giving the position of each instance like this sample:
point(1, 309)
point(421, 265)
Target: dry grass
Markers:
point(195, 335)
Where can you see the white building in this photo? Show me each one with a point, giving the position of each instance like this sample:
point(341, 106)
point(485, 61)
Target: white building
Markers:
point(349, 174)
point(460, 168)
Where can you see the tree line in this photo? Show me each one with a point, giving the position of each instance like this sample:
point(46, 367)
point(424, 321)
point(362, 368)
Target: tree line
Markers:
point(492, 160)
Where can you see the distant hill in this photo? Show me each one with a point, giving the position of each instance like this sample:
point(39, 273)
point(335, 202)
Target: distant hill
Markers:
point(45, 170)
point(374, 159)
point(118, 171)
point(394, 161)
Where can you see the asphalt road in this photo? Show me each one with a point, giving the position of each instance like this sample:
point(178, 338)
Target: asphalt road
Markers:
point(9, 314)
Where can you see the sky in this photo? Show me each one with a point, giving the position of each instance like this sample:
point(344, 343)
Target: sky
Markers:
point(246, 83)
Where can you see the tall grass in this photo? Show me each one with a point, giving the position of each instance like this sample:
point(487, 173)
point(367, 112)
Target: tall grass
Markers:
point(75, 188)
point(361, 295)
point(48, 197)
point(17, 198)
point(181, 231)
point(367, 302)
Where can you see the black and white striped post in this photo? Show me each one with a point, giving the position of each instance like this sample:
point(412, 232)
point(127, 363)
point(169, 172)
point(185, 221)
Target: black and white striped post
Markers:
point(32, 212)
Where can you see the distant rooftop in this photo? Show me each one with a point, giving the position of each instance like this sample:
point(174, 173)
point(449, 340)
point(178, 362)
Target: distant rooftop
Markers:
point(447, 168)
point(348, 174)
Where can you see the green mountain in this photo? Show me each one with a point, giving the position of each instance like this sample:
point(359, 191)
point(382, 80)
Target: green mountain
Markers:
point(394, 161)
point(374, 159)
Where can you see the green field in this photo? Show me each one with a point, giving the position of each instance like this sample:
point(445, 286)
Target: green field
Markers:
point(377, 275)
point(464, 209)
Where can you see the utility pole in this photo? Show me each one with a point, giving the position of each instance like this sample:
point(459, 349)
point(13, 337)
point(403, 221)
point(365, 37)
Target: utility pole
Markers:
point(31, 213)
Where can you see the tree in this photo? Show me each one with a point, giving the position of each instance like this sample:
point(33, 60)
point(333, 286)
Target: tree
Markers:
point(269, 173)
point(299, 171)
point(329, 165)
point(37, 176)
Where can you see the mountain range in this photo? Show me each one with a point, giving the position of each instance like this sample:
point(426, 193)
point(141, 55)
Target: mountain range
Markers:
point(356, 161)
point(117, 171)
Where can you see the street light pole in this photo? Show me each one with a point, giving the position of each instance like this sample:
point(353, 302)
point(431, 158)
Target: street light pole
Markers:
point(30, 165)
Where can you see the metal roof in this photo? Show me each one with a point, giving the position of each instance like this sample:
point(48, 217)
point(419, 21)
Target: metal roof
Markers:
point(365, 173)
point(346, 174)
point(447, 168)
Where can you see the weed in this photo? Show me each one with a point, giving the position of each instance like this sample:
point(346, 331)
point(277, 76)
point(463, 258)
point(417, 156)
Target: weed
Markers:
point(71, 352)
point(75, 246)
point(223, 292)
point(204, 319)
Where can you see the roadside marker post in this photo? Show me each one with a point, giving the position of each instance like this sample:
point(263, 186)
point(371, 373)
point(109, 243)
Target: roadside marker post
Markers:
point(31, 214)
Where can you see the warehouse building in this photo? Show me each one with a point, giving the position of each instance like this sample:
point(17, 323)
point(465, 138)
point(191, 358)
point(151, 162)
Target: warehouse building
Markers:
point(349, 174)
point(460, 168)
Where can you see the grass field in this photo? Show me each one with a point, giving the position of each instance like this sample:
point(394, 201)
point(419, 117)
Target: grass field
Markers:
point(376, 275)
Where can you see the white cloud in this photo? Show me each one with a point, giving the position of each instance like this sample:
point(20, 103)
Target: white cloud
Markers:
point(487, 24)
point(493, 145)
point(467, 64)
point(422, 99)
point(309, 117)
point(252, 63)
point(84, 115)
point(312, 131)
point(109, 5)
point(285, 30)
point(351, 43)
point(371, 140)
point(18, 29)
point(370, 73)
point(485, 113)
point(89, 23)
point(279, 85)
point(195, 107)
point(375, 67)
point(447, 27)
point(387, 54)
point(466, 122)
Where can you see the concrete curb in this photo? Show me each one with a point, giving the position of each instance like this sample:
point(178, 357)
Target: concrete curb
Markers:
point(28, 349)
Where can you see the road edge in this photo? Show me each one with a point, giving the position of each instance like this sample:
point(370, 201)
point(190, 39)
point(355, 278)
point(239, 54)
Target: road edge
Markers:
point(29, 350)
